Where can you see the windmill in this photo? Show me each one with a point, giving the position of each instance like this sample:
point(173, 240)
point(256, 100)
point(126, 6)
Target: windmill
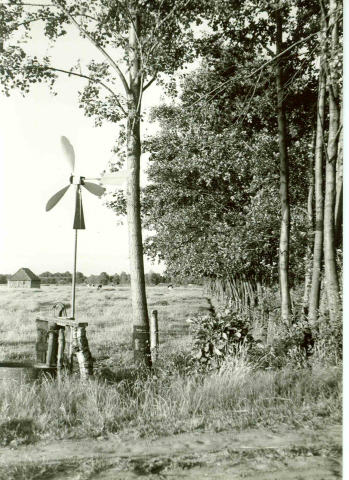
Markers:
point(116, 179)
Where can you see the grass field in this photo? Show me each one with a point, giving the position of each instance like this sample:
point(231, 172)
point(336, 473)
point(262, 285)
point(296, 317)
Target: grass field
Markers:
point(167, 402)
point(108, 313)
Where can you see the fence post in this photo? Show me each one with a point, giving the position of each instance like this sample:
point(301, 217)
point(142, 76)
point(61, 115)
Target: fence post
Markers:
point(154, 335)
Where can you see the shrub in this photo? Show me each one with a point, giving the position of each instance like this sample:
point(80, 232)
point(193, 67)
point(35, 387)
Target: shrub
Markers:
point(217, 337)
point(301, 345)
point(328, 337)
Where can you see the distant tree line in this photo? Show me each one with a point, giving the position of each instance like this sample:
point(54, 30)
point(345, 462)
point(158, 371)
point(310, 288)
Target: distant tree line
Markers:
point(123, 278)
point(103, 278)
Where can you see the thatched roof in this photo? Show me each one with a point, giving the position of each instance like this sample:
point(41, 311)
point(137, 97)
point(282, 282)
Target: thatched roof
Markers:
point(24, 274)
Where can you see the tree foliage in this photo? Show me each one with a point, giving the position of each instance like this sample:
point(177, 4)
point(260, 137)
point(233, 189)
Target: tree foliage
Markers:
point(163, 47)
point(213, 197)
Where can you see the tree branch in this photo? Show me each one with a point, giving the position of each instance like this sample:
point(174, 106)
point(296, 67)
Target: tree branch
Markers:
point(100, 49)
point(19, 4)
point(150, 82)
point(87, 78)
point(269, 50)
point(27, 22)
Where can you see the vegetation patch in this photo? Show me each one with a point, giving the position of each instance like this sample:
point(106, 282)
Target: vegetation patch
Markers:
point(181, 394)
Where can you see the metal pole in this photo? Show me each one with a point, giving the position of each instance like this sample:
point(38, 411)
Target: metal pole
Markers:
point(74, 276)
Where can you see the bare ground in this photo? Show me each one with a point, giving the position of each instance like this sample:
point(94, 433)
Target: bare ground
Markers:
point(251, 454)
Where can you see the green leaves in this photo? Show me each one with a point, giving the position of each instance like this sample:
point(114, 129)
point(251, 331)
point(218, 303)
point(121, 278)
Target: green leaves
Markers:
point(216, 337)
point(18, 71)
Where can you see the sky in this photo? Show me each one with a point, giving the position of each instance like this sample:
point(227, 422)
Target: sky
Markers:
point(33, 168)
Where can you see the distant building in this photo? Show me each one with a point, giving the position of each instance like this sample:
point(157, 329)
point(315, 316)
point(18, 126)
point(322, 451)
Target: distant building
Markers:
point(24, 278)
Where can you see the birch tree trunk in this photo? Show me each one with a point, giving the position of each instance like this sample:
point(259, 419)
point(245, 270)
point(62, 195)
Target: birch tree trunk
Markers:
point(141, 332)
point(338, 210)
point(310, 229)
point(284, 246)
point(331, 275)
point(314, 299)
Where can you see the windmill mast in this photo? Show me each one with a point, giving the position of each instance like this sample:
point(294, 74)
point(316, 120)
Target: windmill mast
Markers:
point(79, 224)
point(74, 276)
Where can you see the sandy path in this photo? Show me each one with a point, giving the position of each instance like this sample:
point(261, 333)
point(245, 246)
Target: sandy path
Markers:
point(250, 454)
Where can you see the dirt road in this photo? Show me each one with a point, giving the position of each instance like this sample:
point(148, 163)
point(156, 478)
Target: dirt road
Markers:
point(252, 454)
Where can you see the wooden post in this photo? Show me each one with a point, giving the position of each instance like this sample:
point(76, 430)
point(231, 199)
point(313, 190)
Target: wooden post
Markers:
point(41, 340)
point(82, 351)
point(154, 335)
point(71, 349)
point(52, 348)
point(61, 345)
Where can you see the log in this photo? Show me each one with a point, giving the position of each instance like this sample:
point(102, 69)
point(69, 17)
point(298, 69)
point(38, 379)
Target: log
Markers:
point(41, 340)
point(61, 346)
point(52, 348)
point(82, 351)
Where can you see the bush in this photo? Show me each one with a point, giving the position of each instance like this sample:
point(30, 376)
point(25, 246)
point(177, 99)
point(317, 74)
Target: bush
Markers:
point(328, 336)
point(218, 337)
point(301, 345)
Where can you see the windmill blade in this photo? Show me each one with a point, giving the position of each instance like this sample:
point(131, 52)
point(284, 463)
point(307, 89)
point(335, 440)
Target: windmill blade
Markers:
point(68, 150)
point(56, 198)
point(116, 178)
point(93, 188)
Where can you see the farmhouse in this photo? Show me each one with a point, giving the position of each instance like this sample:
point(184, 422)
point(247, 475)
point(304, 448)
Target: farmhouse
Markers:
point(24, 278)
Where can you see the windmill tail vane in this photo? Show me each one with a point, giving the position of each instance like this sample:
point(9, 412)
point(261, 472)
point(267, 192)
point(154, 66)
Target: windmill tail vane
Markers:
point(79, 221)
point(116, 179)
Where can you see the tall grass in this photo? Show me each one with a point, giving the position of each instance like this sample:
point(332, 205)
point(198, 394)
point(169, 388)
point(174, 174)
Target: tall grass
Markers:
point(168, 401)
point(161, 404)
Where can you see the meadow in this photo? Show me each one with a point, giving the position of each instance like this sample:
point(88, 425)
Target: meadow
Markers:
point(122, 401)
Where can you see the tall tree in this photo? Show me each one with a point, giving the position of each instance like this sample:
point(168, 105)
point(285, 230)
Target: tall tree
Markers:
point(331, 274)
point(284, 246)
point(291, 26)
point(338, 211)
point(310, 222)
point(314, 299)
point(144, 37)
point(214, 173)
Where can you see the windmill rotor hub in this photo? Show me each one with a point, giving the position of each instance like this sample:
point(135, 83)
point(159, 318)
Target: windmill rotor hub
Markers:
point(77, 180)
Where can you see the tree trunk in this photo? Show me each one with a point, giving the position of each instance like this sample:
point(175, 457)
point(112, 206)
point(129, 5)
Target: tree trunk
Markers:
point(331, 275)
point(314, 300)
point(141, 331)
point(284, 246)
point(338, 210)
point(310, 228)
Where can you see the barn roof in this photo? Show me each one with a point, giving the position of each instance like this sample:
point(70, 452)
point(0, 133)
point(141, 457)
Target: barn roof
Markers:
point(24, 274)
